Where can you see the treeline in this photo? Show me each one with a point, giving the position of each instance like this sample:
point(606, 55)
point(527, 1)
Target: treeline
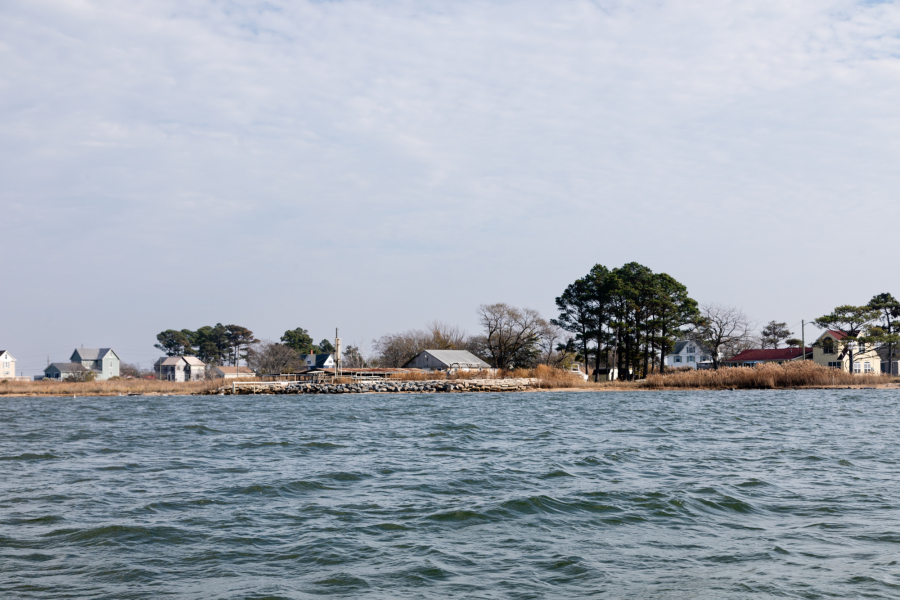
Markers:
point(230, 344)
point(628, 317)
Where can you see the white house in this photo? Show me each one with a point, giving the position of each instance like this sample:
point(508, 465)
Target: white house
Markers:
point(318, 361)
point(180, 368)
point(8, 366)
point(687, 354)
point(443, 360)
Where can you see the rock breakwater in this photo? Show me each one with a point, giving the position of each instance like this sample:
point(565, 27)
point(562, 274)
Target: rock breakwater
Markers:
point(388, 386)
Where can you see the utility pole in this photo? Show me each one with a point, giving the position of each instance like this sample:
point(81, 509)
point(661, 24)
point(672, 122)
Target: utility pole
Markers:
point(803, 338)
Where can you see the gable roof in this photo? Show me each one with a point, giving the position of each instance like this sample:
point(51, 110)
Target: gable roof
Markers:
point(70, 367)
point(320, 359)
point(838, 335)
point(11, 357)
point(451, 358)
point(762, 355)
point(194, 361)
point(93, 353)
point(168, 361)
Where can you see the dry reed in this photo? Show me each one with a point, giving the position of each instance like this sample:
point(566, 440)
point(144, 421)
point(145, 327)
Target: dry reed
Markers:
point(762, 376)
point(106, 388)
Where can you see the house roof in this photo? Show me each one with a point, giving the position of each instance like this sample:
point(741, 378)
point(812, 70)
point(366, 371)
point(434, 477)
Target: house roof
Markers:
point(169, 361)
point(93, 353)
point(247, 370)
point(449, 358)
point(320, 359)
point(67, 367)
point(679, 346)
point(768, 354)
point(11, 357)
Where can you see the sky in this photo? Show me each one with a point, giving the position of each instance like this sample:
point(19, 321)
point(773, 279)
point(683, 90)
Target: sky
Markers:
point(376, 165)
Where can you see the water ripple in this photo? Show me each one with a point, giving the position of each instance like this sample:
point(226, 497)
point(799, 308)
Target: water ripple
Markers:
point(768, 494)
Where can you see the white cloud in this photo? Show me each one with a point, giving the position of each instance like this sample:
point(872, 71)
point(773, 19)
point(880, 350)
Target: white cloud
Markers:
point(438, 156)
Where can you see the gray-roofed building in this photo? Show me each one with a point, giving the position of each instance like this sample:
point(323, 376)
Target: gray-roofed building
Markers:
point(180, 368)
point(60, 371)
point(442, 360)
point(104, 361)
point(318, 361)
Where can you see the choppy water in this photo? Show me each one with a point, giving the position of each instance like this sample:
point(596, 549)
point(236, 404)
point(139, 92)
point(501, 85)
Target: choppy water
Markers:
point(550, 495)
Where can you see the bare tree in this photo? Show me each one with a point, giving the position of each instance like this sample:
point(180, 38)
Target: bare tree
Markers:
point(511, 334)
point(445, 337)
point(271, 357)
point(353, 358)
point(552, 342)
point(396, 349)
point(721, 329)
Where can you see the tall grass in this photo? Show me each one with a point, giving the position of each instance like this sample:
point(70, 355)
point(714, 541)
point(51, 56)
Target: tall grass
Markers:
point(106, 388)
point(762, 376)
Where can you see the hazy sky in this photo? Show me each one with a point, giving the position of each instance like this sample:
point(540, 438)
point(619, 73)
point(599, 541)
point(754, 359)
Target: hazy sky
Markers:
point(374, 165)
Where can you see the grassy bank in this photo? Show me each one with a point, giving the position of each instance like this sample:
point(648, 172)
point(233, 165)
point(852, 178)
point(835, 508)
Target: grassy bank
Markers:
point(104, 388)
point(762, 376)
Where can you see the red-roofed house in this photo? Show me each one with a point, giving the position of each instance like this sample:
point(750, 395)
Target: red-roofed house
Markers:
point(748, 358)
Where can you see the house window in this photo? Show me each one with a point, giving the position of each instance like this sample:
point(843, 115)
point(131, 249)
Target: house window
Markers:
point(867, 367)
point(690, 359)
point(857, 368)
point(836, 365)
point(677, 359)
point(828, 346)
point(862, 347)
point(691, 349)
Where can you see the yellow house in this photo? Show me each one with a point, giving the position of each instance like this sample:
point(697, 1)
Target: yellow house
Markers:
point(832, 349)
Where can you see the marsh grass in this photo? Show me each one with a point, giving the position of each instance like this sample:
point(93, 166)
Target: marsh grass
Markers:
point(106, 388)
point(763, 376)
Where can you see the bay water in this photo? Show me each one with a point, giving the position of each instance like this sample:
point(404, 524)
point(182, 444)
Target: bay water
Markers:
point(754, 494)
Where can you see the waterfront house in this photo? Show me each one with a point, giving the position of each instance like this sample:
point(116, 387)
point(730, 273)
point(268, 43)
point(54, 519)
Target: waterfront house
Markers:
point(7, 365)
point(889, 365)
point(60, 371)
point(444, 360)
point(231, 372)
point(833, 348)
point(779, 356)
point(103, 361)
point(180, 368)
point(687, 353)
point(318, 361)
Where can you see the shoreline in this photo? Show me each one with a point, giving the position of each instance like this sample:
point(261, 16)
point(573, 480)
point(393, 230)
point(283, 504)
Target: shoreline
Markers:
point(624, 387)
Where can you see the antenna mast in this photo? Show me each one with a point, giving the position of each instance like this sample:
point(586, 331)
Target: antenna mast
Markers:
point(337, 354)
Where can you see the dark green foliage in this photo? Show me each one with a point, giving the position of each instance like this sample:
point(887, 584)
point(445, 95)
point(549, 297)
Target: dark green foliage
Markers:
point(212, 344)
point(174, 343)
point(298, 339)
point(625, 317)
point(325, 347)
point(773, 333)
